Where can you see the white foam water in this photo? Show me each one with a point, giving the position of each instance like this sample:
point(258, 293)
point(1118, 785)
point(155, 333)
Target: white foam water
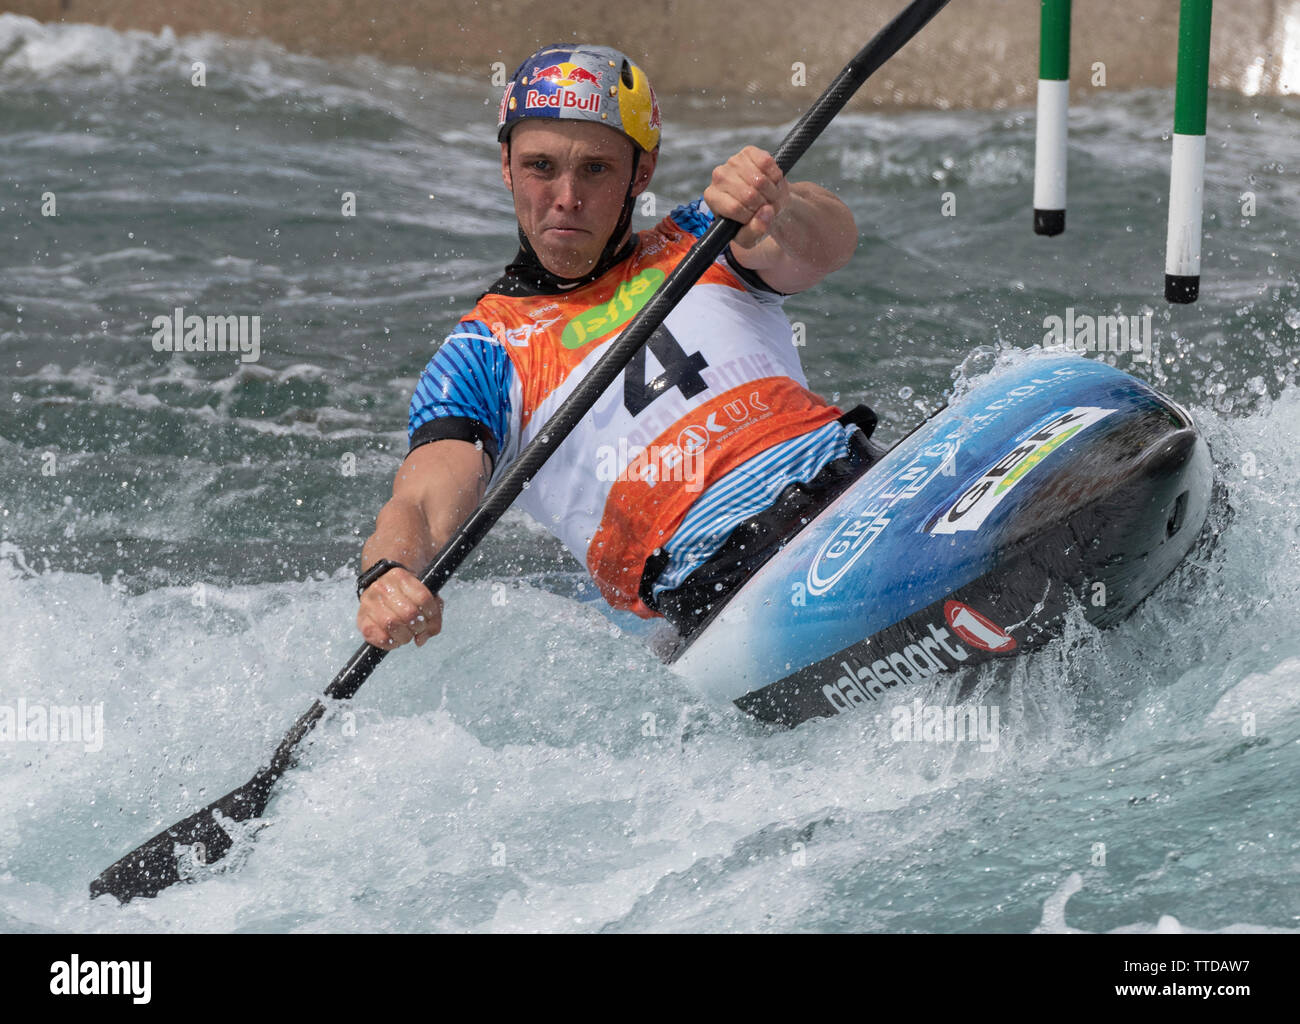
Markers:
point(564, 780)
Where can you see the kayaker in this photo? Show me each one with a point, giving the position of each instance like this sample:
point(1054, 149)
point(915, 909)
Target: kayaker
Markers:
point(689, 472)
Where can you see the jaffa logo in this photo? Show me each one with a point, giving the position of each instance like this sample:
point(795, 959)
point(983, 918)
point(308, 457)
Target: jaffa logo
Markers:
point(626, 302)
point(976, 629)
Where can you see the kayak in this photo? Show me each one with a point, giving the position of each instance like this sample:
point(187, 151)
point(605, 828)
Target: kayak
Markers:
point(1062, 483)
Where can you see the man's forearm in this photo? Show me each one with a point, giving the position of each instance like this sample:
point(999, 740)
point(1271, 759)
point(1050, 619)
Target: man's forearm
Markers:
point(816, 229)
point(813, 235)
point(436, 489)
point(402, 533)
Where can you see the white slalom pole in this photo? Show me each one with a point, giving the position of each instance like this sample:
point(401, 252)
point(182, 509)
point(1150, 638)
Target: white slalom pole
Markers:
point(1187, 172)
point(1053, 114)
point(1183, 240)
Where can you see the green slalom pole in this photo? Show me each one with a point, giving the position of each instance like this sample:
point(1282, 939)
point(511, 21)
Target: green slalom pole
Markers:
point(1053, 111)
point(1187, 170)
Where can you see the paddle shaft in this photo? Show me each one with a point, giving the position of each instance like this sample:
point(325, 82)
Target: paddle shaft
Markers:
point(151, 867)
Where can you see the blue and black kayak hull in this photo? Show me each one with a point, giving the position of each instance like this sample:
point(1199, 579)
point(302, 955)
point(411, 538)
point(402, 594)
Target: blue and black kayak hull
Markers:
point(1061, 483)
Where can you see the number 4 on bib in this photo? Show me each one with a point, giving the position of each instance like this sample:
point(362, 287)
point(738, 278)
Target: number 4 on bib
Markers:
point(680, 371)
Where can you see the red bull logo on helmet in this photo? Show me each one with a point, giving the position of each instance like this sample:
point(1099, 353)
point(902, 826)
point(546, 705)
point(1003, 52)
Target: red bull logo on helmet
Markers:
point(583, 83)
point(566, 99)
point(564, 86)
point(565, 73)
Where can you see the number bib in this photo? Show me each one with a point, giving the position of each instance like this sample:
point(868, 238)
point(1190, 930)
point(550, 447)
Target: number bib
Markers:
point(716, 384)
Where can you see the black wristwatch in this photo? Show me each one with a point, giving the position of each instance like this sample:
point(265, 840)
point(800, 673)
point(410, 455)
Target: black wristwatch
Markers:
point(374, 572)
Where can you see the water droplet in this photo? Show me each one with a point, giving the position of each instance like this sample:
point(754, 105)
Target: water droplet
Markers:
point(1293, 318)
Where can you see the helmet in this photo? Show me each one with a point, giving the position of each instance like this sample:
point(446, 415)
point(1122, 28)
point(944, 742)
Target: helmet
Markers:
point(582, 83)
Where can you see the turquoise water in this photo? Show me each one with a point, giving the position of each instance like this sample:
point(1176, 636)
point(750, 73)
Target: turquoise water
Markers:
point(178, 532)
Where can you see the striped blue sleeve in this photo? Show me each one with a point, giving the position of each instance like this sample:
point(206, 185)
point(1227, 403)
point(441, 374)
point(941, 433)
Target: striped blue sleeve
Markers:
point(694, 217)
point(464, 392)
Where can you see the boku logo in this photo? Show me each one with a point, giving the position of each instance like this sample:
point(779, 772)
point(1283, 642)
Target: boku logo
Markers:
point(627, 302)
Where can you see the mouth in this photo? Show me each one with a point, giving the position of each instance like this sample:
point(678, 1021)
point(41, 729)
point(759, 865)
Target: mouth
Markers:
point(566, 232)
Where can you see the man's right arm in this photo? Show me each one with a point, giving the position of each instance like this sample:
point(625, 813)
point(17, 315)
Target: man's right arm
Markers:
point(461, 420)
point(435, 490)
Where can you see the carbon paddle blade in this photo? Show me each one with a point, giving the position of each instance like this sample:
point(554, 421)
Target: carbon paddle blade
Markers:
point(177, 852)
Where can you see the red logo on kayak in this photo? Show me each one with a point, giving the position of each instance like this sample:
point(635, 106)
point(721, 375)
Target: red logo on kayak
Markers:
point(977, 630)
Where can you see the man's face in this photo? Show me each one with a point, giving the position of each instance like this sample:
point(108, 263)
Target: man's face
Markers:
point(568, 180)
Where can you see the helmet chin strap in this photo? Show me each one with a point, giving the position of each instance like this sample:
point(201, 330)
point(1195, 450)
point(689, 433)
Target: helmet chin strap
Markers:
point(527, 264)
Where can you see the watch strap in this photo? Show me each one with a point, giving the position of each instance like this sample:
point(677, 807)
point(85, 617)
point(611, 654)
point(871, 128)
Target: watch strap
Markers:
point(374, 572)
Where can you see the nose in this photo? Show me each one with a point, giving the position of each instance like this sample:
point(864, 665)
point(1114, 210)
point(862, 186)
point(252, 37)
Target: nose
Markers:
point(566, 192)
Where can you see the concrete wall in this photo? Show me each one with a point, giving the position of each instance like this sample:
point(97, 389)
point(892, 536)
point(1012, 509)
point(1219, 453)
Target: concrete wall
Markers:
point(976, 52)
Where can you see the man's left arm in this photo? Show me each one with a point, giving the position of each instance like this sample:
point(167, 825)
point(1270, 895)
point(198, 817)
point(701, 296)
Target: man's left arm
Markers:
point(794, 233)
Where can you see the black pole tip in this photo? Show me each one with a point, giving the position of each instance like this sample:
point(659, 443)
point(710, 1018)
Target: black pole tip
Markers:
point(1049, 222)
point(1182, 288)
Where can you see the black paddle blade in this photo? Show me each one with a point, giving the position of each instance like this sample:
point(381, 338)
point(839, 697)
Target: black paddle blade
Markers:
point(174, 854)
